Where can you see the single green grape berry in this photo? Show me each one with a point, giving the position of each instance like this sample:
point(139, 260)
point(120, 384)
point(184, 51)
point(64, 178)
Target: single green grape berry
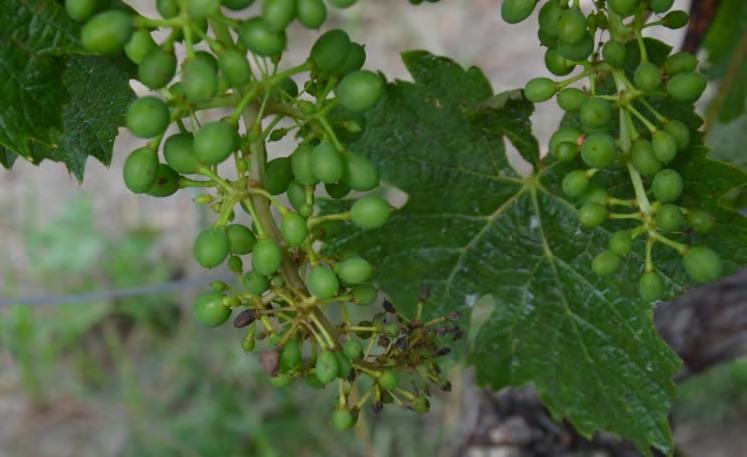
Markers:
point(323, 283)
point(337, 190)
point(651, 286)
point(326, 367)
point(686, 87)
point(701, 221)
point(235, 264)
point(241, 239)
point(140, 170)
point(675, 20)
point(353, 349)
point(179, 153)
point(80, 10)
point(148, 117)
point(278, 174)
point(327, 163)
point(614, 53)
point(140, 44)
point(211, 247)
point(235, 67)
point(557, 64)
point(421, 405)
point(679, 132)
point(296, 194)
point(594, 193)
point(302, 165)
point(281, 380)
point(702, 264)
point(353, 270)
point(539, 89)
point(166, 182)
point(370, 212)
point(107, 32)
point(592, 214)
point(266, 257)
point(599, 150)
point(665, 148)
point(515, 11)
point(571, 99)
point(566, 151)
point(294, 229)
point(575, 183)
point(259, 38)
point(364, 294)
point(345, 368)
point(354, 60)
point(360, 90)
point(290, 355)
point(360, 173)
point(311, 13)
point(605, 263)
point(667, 185)
point(647, 77)
point(624, 8)
point(388, 380)
point(669, 218)
point(208, 309)
point(577, 51)
point(277, 14)
point(237, 5)
point(621, 242)
point(200, 9)
point(562, 135)
point(661, 6)
point(248, 344)
point(342, 3)
point(572, 27)
point(167, 8)
point(343, 419)
point(306, 210)
point(156, 68)
point(200, 80)
point(329, 50)
point(214, 142)
point(256, 283)
point(680, 62)
point(595, 113)
point(643, 159)
point(549, 19)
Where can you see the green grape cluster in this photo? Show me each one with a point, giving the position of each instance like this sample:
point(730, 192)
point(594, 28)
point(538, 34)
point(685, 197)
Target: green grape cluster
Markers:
point(620, 126)
point(288, 287)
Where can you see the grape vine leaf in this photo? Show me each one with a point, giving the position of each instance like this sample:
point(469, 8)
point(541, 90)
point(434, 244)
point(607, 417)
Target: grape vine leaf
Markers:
point(472, 227)
point(56, 103)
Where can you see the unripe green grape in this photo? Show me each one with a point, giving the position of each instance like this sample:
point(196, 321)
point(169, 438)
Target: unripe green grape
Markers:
point(702, 264)
point(259, 38)
point(680, 62)
point(701, 221)
point(421, 405)
point(364, 294)
point(290, 355)
point(248, 344)
point(156, 68)
point(281, 380)
point(679, 132)
point(566, 151)
point(592, 214)
point(669, 218)
point(353, 349)
point(140, 44)
point(354, 270)
point(515, 11)
point(330, 50)
point(594, 193)
point(296, 194)
point(595, 113)
point(344, 367)
point(605, 263)
point(278, 174)
point(342, 3)
point(140, 170)
point(200, 80)
point(580, 50)
point(337, 190)
point(326, 367)
point(80, 10)
point(661, 6)
point(572, 99)
point(599, 150)
point(664, 146)
point(614, 53)
point(208, 309)
point(360, 90)
point(235, 264)
point(311, 13)
point(266, 257)
point(354, 60)
point(539, 89)
point(360, 173)
point(167, 8)
point(643, 159)
point(241, 239)
point(621, 243)
point(179, 153)
point(549, 19)
point(651, 286)
point(277, 14)
point(624, 8)
point(388, 380)
point(675, 20)
point(166, 182)
point(211, 247)
point(575, 183)
point(327, 163)
point(256, 283)
point(572, 27)
point(343, 419)
point(301, 164)
point(667, 185)
point(215, 141)
point(294, 229)
point(370, 212)
point(563, 135)
point(686, 87)
point(557, 64)
point(647, 77)
point(235, 67)
point(107, 32)
point(148, 117)
point(323, 283)
point(200, 9)
point(237, 5)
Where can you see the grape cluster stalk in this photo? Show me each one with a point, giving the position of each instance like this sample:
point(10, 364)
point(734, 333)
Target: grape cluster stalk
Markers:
point(288, 287)
point(620, 125)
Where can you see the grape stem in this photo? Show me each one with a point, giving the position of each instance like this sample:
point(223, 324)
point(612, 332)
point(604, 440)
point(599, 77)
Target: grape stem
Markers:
point(316, 220)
